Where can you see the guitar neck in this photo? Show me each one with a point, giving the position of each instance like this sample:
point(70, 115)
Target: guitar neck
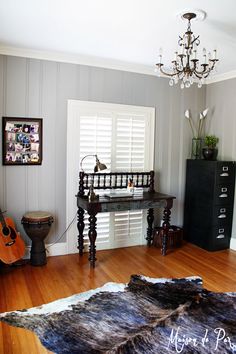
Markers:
point(2, 220)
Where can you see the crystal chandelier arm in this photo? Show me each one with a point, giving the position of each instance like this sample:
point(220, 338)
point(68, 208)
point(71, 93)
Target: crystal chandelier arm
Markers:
point(196, 39)
point(207, 68)
point(166, 73)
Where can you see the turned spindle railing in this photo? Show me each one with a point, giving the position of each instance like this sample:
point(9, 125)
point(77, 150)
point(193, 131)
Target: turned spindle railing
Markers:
point(115, 180)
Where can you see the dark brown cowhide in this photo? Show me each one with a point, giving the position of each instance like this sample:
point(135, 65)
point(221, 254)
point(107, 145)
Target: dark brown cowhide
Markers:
point(146, 316)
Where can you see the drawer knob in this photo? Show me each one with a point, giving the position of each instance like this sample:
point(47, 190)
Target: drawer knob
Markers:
point(220, 236)
point(222, 216)
point(224, 174)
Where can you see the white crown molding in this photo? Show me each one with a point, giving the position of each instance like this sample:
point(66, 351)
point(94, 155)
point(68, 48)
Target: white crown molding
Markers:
point(221, 77)
point(96, 62)
point(78, 59)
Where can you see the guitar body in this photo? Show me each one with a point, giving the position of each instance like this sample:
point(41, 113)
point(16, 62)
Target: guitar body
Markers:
point(12, 247)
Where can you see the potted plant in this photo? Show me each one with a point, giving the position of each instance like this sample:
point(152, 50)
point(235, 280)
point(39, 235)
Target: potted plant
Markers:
point(210, 151)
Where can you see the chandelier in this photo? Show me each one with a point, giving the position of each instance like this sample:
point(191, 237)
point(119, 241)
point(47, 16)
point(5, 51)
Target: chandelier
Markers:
point(186, 68)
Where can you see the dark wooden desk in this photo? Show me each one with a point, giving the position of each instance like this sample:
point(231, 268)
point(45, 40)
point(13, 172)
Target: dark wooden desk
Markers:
point(149, 200)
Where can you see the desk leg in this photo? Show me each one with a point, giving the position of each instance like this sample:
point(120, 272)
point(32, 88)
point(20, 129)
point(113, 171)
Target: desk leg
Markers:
point(92, 238)
point(165, 228)
point(150, 218)
point(80, 226)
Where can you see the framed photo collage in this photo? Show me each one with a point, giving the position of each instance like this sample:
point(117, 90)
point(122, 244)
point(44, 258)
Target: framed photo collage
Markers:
point(22, 141)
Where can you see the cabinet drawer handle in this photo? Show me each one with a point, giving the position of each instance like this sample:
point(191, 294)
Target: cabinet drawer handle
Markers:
point(223, 195)
point(225, 168)
point(223, 210)
point(222, 216)
point(225, 174)
point(221, 231)
point(220, 236)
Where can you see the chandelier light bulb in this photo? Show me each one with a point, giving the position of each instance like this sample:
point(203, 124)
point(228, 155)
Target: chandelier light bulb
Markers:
point(186, 67)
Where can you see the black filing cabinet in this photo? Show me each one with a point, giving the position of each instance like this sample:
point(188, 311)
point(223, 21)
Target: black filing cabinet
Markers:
point(209, 200)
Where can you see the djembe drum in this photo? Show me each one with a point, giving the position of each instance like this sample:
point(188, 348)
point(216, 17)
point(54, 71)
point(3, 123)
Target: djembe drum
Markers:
point(37, 225)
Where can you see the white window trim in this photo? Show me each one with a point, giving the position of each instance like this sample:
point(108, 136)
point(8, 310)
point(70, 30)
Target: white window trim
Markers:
point(73, 163)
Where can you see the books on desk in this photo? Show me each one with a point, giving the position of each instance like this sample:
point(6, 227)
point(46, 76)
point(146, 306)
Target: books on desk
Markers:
point(121, 194)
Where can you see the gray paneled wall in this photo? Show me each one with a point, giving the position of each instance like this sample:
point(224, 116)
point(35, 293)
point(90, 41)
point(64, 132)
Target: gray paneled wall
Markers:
point(220, 98)
point(36, 88)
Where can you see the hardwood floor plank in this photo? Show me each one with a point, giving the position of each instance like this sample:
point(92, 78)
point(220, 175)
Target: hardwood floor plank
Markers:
point(62, 276)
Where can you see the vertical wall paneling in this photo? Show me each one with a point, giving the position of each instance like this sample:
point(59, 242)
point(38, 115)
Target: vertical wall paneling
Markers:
point(181, 167)
point(15, 107)
point(83, 74)
point(113, 86)
point(27, 115)
point(66, 89)
point(42, 89)
point(40, 106)
point(96, 84)
point(33, 111)
point(3, 112)
point(48, 177)
point(174, 152)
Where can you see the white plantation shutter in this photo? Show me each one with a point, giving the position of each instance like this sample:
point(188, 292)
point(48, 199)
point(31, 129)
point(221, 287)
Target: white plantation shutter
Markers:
point(95, 133)
point(123, 139)
point(130, 143)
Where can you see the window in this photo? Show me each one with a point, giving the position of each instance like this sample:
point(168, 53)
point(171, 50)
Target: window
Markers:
point(123, 138)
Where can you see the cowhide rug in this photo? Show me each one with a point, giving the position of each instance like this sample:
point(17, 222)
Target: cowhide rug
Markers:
point(146, 316)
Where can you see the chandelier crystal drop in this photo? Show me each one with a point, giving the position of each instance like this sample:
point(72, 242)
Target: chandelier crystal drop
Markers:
point(186, 68)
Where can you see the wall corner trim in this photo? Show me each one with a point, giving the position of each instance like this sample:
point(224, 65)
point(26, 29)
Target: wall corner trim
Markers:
point(233, 244)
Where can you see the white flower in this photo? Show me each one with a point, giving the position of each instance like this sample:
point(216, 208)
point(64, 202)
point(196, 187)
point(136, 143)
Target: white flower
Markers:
point(201, 117)
point(196, 131)
point(187, 114)
point(204, 113)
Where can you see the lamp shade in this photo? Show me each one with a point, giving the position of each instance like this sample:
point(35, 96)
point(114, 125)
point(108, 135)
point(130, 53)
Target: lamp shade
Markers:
point(98, 167)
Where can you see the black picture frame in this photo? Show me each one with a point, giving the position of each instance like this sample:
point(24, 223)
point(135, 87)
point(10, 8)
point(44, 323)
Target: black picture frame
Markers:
point(22, 140)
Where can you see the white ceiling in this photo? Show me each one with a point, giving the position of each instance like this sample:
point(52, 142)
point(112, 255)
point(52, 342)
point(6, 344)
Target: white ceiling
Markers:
point(121, 33)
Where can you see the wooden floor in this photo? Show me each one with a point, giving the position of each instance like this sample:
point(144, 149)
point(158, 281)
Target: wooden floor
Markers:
point(27, 286)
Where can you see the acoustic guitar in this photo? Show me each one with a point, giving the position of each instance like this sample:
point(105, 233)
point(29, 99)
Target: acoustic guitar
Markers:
point(12, 247)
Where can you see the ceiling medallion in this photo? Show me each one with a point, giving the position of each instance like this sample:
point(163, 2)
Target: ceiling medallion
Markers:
point(186, 68)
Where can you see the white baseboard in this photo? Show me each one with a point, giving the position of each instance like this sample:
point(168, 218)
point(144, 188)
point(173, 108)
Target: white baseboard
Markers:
point(233, 244)
point(58, 249)
point(61, 249)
